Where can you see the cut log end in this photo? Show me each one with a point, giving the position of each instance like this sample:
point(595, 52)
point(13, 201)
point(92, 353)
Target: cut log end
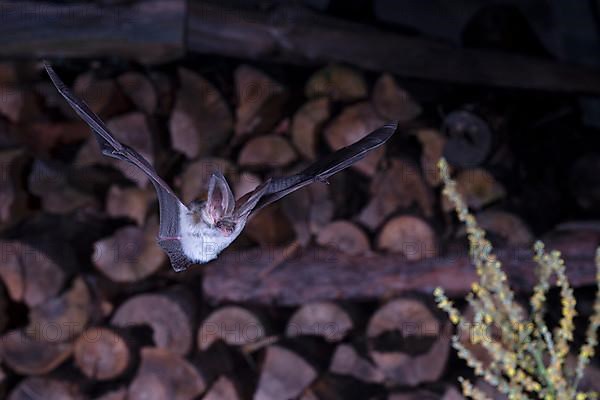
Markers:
point(153, 310)
point(165, 375)
point(234, 325)
point(102, 354)
point(420, 343)
point(409, 236)
point(284, 375)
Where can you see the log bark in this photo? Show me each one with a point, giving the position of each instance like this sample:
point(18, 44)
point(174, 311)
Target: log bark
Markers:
point(149, 31)
point(318, 274)
point(295, 35)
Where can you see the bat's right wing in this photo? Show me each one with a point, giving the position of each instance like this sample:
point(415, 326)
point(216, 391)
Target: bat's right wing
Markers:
point(170, 206)
point(322, 169)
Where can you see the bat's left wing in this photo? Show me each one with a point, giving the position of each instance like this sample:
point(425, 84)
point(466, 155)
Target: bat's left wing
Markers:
point(319, 171)
point(170, 206)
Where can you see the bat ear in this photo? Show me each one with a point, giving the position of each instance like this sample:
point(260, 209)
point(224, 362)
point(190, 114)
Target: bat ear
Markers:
point(220, 198)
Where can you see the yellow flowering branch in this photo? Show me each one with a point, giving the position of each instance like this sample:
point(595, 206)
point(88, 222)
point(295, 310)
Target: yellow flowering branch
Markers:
point(528, 360)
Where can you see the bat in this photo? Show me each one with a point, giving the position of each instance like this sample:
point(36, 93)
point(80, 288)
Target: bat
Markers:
point(198, 232)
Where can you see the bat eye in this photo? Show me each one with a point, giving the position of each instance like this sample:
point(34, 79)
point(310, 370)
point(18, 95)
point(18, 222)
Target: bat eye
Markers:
point(226, 227)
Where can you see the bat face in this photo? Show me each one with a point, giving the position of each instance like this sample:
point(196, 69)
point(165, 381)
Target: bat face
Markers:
point(198, 233)
point(208, 227)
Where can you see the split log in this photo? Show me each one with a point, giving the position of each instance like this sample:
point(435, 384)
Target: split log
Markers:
point(415, 395)
point(3, 382)
point(317, 274)
point(193, 182)
point(346, 361)
point(398, 187)
point(309, 210)
point(35, 352)
point(308, 395)
point(12, 194)
point(103, 353)
point(478, 188)
point(30, 276)
point(354, 123)
point(452, 394)
point(9, 72)
point(43, 137)
point(149, 31)
point(165, 91)
point(132, 129)
point(18, 104)
point(4, 317)
point(165, 375)
point(408, 343)
point(324, 319)
point(153, 309)
point(295, 35)
point(339, 387)
point(584, 183)
point(245, 183)
point(201, 120)
point(489, 390)
point(393, 102)
point(284, 375)
point(234, 325)
point(260, 101)
point(307, 124)
point(222, 389)
point(269, 151)
point(270, 227)
point(432, 143)
point(70, 312)
point(102, 95)
point(8, 137)
point(53, 186)
point(139, 89)
point(129, 202)
point(507, 226)
point(344, 236)
point(38, 388)
point(410, 236)
point(12, 103)
point(469, 139)
point(118, 394)
point(338, 82)
point(130, 254)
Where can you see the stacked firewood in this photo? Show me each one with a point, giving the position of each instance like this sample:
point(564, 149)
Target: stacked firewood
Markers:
point(90, 308)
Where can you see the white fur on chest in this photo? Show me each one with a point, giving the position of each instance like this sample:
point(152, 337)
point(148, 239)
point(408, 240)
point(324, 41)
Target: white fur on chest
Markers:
point(199, 242)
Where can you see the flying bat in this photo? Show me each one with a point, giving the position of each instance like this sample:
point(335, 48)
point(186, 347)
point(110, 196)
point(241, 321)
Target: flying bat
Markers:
point(197, 233)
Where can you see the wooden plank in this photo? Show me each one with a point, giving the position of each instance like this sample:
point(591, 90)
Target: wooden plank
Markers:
point(319, 274)
point(296, 35)
point(149, 31)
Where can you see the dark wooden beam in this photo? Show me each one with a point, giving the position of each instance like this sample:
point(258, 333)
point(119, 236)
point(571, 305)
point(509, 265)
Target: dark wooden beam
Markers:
point(296, 35)
point(149, 31)
point(323, 274)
